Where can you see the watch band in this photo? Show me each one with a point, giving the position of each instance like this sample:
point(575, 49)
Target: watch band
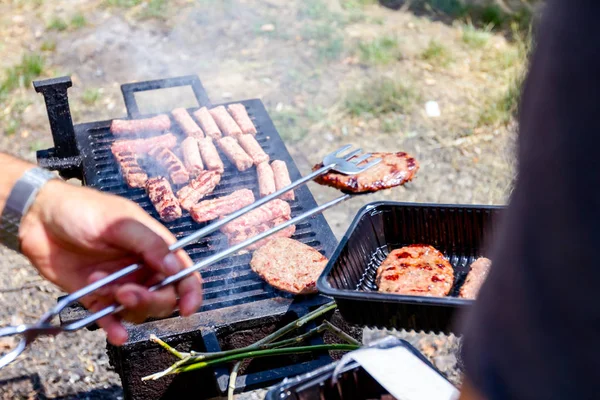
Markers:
point(18, 202)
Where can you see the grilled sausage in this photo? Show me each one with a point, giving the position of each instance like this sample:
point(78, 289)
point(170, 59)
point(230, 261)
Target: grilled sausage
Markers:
point(475, 278)
point(227, 125)
point(282, 179)
point(204, 184)
point(208, 210)
point(191, 156)
point(266, 179)
point(208, 124)
point(252, 148)
point(142, 146)
point(210, 156)
point(169, 161)
point(265, 213)
point(133, 174)
point(121, 127)
point(235, 153)
point(240, 115)
point(187, 123)
point(162, 197)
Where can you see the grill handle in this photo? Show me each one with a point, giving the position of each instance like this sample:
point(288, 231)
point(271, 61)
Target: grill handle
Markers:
point(64, 157)
point(129, 90)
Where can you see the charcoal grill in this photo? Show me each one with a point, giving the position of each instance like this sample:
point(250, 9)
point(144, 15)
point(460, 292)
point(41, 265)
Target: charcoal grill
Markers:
point(239, 307)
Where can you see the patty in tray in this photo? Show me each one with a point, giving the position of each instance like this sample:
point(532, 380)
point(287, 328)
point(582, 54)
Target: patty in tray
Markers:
point(475, 278)
point(395, 169)
point(289, 265)
point(418, 270)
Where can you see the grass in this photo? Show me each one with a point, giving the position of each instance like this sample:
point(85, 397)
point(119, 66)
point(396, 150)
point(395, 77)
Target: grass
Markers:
point(154, 9)
point(356, 4)
point(30, 67)
point(122, 3)
point(314, 9)
point(293, 124)
point(12, 122)
point(329, 41)
point(57, 24)
point(437, 54)
point(288, 123)
point(476, 38)
point(36, 145)
point(78, 21)
point(502, 109)
point(492, 15)
point(90, 96)
point(381, 96)
point(382, 50)
point(48, 45)
point(391, 124)
point(324, 28)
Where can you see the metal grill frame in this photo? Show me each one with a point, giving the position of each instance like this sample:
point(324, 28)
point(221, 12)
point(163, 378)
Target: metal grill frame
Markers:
point(252, 302)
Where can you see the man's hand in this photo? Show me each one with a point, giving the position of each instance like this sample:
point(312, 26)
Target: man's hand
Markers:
point(75, 236)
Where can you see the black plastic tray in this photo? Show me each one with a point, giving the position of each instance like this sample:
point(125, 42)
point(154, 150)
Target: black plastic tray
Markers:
point(458, 231)
point(353, 383)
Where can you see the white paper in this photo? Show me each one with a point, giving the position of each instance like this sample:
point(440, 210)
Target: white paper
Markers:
point(404, 375)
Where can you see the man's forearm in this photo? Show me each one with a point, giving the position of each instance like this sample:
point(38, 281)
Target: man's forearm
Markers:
point(13, 168)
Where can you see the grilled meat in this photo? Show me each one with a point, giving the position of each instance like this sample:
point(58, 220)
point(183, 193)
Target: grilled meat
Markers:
point(120, 127)
point(208, 210)
point(418, 270)
point(394, 169)
point(187, 123)
point(475, 278)
point(235, 153)
point(266, 179)
point(289, 265)
point(142, 146)
point(208, 124)
point(198, 188)
point(162, 197)
point(240, 115)
point(227, 125)
point(191, 156)
point(263, 214)
point(132, 172)
point(240, 236)
point(169, 161)
point(282, 179)
point(252, 148)
point(210, 156)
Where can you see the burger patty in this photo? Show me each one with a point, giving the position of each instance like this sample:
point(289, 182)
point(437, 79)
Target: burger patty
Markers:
point(418, 270)
point(394, 169)
point(475, 278)
point(289, 265)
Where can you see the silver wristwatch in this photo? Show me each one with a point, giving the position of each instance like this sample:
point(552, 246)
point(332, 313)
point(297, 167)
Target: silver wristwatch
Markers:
point(19, 200)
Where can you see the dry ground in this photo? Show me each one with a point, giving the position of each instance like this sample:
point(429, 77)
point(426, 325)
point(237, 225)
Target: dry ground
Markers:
point(330, 72)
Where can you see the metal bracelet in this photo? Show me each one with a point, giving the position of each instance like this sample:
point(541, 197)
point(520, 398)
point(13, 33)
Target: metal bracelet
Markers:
point(18, 203)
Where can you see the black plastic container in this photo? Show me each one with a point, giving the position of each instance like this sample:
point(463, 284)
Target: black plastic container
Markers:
point(353, 383)
point(459, 231)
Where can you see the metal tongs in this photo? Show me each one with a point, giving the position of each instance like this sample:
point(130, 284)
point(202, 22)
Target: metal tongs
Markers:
point(347, 164)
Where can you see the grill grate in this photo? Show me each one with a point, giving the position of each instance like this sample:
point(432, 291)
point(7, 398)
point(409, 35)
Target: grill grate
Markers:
point(234, 296)
point(230, 281)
